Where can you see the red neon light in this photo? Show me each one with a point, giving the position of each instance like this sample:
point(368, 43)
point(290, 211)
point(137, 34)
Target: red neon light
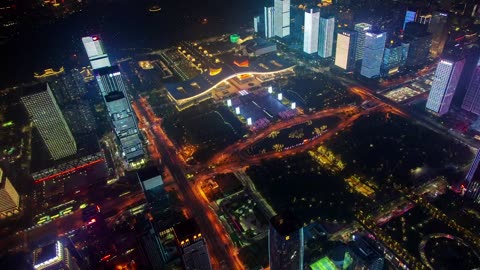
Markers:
point(105, 257)
point(95, 38)
point(92, 221)
point(68, 171)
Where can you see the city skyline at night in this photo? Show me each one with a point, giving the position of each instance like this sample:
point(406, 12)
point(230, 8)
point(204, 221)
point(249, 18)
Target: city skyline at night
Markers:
point(280, 134)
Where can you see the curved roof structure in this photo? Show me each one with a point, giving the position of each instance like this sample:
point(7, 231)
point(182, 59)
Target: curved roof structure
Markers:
point(203, 84)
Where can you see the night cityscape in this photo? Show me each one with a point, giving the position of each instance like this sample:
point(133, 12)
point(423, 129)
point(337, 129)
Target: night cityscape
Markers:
point(239, 135)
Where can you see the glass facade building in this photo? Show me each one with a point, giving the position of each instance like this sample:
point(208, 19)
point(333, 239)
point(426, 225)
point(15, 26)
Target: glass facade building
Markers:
point(285, 243)
point(310, 39)
point(50, 123)
point(345, 51)
point(444, 85)
point(325, 38)
point(281, 20)
point(361, 29)
point(373, 54)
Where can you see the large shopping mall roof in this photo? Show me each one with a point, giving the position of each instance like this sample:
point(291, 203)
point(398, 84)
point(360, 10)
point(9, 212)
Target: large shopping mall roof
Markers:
point(230, 67)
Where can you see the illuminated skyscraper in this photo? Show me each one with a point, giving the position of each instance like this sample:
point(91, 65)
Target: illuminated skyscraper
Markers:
point(52, 257)
point(438, 28)
point(256, 24)
point(9, 199)
point(444, 85)
point(473, 180)
point(471, 102)
point(281, 20)
point(373, 54)
point(269, 14)
point(325, 39)
point(285, 243)
point(409, 17)
point(310, 38)
point(49, 121)
point(192, 245)
point(114, 92)
point(345, 51)
point(394, 57)
point(362, 29)
point(420, 41)
point(95, 52)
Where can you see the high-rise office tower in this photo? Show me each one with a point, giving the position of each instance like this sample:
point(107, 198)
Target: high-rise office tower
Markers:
point(410, 16)
point(110, 80)
point(373, 54)
point(79, 117)
point(113, 89)
point(53, 256)
point(310, 38)
point(444, 84)
point(345, 51)
point(114, 92)
point(471, 53)
point(281, 20)
point(285, 243)
point(269, 15)
point(471, 102)
point(68, 87)
point(297, 27)
point(49, 121)
point(192, 245)
point(325, 38)
point(473, 180)
point(394, 57)
point(420, 41)
point(95, 52)
point(9, 198)
point(362, 29)
point(256, 24)
point(438, 28)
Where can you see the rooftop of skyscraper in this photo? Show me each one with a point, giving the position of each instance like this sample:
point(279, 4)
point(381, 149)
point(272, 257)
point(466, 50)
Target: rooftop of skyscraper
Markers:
point(285, 223)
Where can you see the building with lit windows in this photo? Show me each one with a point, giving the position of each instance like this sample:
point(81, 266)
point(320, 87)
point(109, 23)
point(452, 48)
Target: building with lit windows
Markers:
point(310, 38)
point(345, 51)
point(373, 54)
point(96, 52)
point(256, 24)
point(473, 180)
point(68, 87)
point(471, 102)
point(9, 198)
point(394, 57)
point(191, 92)
point(192, 246)
point(438, 28)
point(57, 184)
point(49, 121)
point(269, 15)
point(281, 20)
point(444, 84)
point(410, 16)
point(420, 41)
point(325, 38)
point(285, 243)
point(53, 256)
point(361, 29)
point(114, 91)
